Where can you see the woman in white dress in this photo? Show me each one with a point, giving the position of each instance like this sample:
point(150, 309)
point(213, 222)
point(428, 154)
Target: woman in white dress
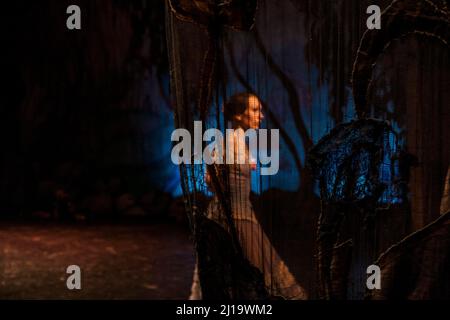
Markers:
point(244, 111)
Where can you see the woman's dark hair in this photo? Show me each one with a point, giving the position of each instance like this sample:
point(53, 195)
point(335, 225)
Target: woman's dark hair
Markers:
point(236, 105)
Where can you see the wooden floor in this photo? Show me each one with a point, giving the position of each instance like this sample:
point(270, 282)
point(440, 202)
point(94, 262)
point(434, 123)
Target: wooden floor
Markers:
point(117, 262)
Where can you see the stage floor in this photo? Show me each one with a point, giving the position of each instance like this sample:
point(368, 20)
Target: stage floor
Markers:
point(116, 261)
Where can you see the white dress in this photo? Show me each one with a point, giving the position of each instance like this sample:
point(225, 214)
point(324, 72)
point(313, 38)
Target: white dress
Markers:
point(255, 244)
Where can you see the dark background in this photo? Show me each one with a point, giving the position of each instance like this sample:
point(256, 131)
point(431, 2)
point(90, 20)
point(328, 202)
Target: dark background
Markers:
point(85, 171)
point(85, 117)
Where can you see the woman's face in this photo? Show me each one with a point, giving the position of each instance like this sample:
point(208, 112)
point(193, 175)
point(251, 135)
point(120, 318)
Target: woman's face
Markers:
point(253, 115)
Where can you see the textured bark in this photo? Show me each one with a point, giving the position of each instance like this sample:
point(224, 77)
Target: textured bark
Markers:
point(445, 202)
point(338, 156)
point(340, 270)
point(418, 266)
point(237, 14)
point(401, 18)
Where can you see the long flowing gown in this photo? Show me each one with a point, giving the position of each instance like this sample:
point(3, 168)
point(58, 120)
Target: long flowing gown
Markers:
point(255, 243)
